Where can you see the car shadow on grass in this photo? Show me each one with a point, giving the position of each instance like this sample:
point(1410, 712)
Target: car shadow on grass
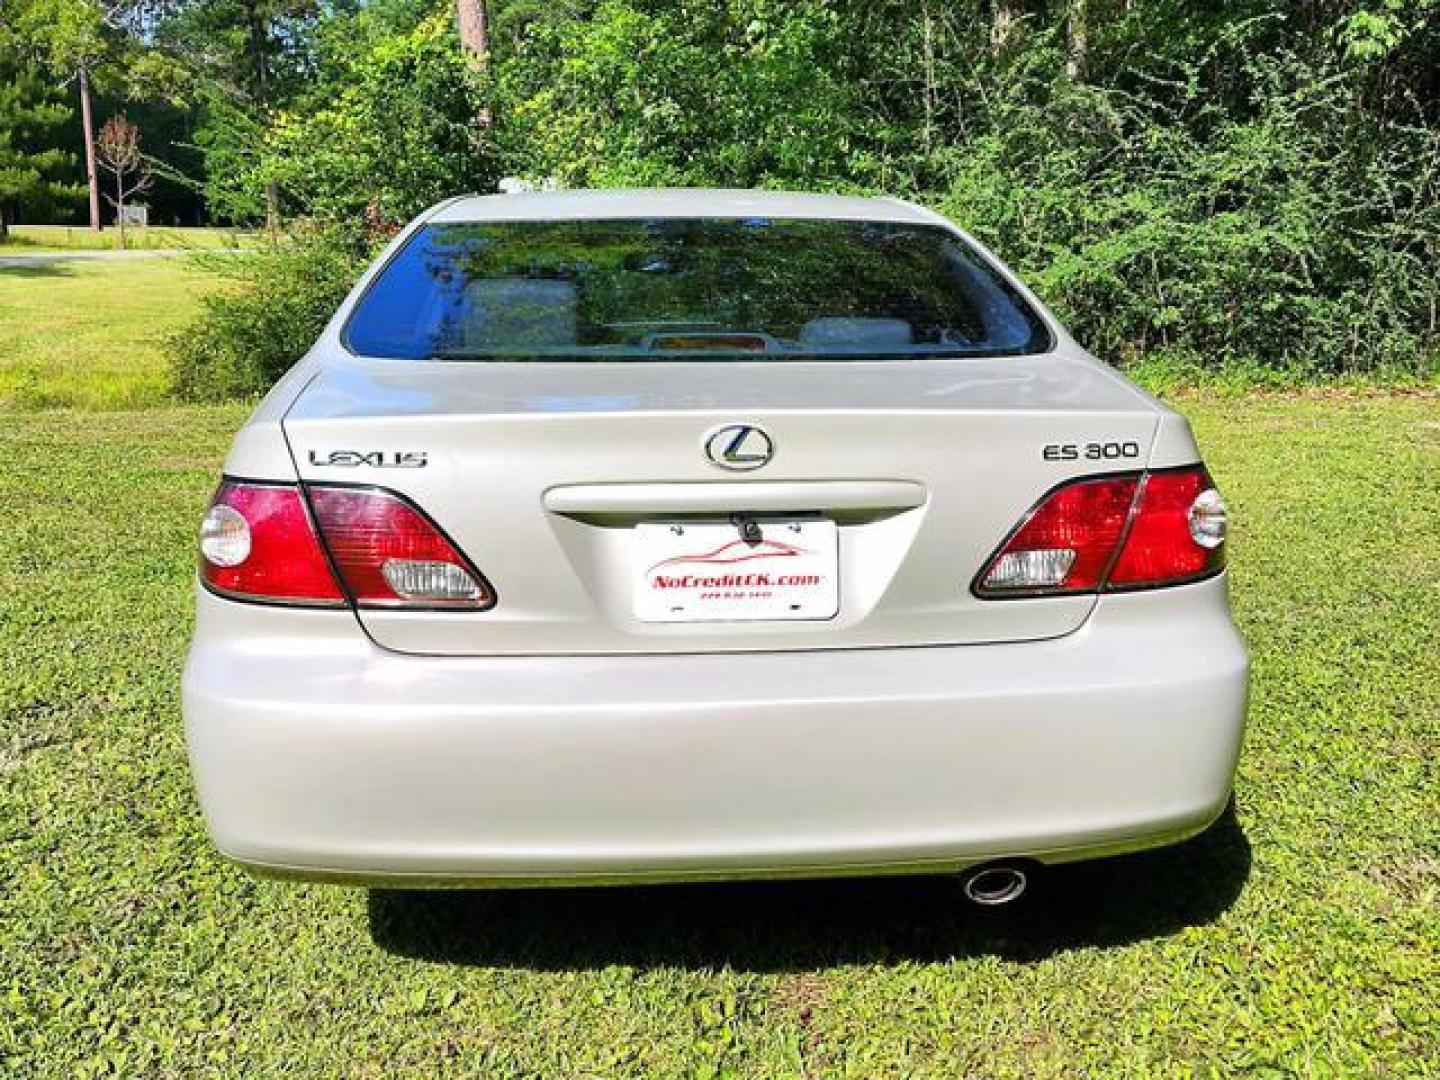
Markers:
point(33, 268)
point(796, 926)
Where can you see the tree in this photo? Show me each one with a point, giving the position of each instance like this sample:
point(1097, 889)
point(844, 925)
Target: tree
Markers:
point(1077, 39)
point(118, 148)
point(473, 22)
point(1005, 16)
point(387, 128)
point(77, 37)
point(71, 34)
point(249, 59)
point(27, 108)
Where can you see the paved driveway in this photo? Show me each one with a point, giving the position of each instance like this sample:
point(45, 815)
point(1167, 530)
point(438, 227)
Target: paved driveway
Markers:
point(22, 259)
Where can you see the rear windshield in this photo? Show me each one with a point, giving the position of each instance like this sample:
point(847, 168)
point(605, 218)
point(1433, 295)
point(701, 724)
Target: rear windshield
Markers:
point(668, 289)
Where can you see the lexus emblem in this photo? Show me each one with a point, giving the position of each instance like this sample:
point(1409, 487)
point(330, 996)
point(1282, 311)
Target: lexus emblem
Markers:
point(740, 447)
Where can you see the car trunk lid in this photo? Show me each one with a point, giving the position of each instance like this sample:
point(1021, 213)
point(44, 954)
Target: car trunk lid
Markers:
point(901, 477)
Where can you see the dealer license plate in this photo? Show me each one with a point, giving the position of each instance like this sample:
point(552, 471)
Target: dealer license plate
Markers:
point(709, 572)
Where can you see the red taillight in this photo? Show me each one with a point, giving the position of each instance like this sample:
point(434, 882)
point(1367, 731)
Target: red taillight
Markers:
point(258, 542)
point(1178, 533)
point(1066, 543)
point(1131, 531)
point(391, 555)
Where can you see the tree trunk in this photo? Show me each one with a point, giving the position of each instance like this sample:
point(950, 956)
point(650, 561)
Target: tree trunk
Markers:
point(272, 208)
point(258, 45)
point(4, 223)
point(119, 210)
point(1005, 16)
point(927, 30)
point(1077, 40)
point(474, 25)
point(92, 174)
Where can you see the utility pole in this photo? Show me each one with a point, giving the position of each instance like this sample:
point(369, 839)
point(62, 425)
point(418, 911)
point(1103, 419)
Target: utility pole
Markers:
point(92, 174)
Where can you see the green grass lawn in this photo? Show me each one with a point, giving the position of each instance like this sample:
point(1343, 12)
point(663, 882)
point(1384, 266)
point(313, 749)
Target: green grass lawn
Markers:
point(92, 334)
point(39, 238)
point(1302, 937)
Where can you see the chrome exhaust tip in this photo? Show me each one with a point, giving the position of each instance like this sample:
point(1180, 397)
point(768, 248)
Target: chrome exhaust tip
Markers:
point(995, 884)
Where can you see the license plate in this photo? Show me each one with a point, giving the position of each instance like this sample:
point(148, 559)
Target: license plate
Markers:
point(709, 572)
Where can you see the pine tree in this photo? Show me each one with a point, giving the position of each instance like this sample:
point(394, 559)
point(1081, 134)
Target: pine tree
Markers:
point(28, 106)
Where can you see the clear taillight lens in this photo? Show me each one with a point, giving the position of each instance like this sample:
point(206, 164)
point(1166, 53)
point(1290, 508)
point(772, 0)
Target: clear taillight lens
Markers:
point(1132, 531)
point(1208, 519)
point(259, 542)
point(224, 537)
point(390, 555)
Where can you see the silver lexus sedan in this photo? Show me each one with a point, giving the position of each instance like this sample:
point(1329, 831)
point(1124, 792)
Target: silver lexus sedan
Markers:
point(669, 535)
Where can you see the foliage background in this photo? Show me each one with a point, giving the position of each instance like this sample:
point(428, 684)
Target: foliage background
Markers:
point(1224, 191)
point(1201, 190)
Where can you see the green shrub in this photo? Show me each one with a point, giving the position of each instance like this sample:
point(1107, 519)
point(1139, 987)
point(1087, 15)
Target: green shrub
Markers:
point(1287, 231)
point(1232, 193)
point(1231, 190)
point(275, 304)
point(388, 132)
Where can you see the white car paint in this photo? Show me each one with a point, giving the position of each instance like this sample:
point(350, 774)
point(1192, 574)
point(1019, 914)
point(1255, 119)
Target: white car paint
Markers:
point(560, 737)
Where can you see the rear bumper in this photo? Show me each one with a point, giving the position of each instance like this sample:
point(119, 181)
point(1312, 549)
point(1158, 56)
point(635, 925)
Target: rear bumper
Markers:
point(317, 754)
